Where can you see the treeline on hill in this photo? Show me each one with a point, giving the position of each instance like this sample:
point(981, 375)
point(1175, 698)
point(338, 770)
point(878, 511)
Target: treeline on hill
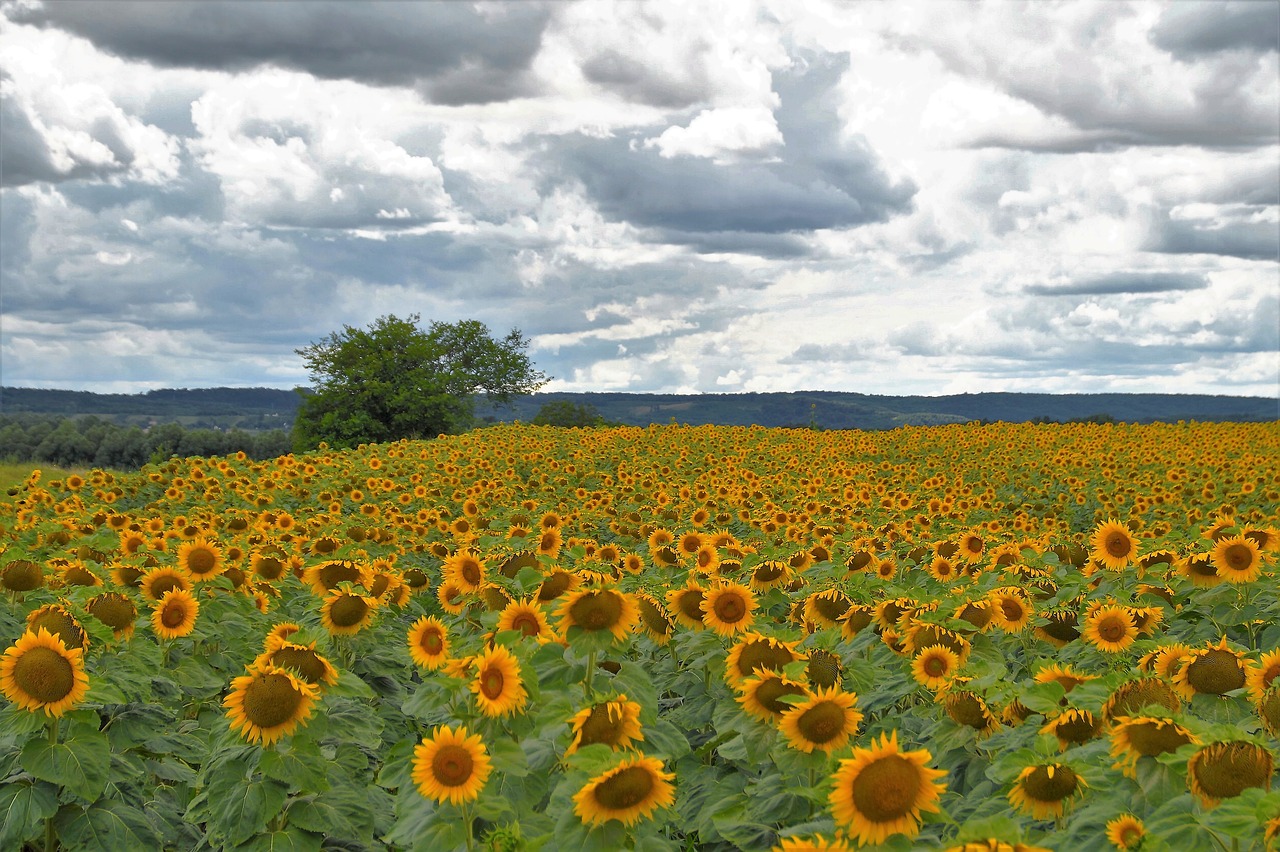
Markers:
point(93, 442)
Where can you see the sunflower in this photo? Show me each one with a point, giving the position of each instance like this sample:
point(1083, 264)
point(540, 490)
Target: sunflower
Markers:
point(629, 792)
point(856, 619)
point(596, 610)
point(881, 791)
point(1213, 670)
point(1064, 675)
point(1110, 629)
point(966, 707)
point(21, 575)
point(526, 616)
point(269, 703)
point(1045, 790)
point(1126, 832)
point(1010, 610)
point(823, 669)
point(347, 613)
point(1073, 726)
point(428, 641)
point(557, 583)
point(61, 623)
point(451, 766)
point(762, 693)
point(1224, 770)
point(325, 576)
point(201, 558)
point(685, 604)
point(497, 685)
point(1168, 660)
point(451, 598)
point(156, 581)
point(614, 723)
point(728, 608)
point(1134, 737)
point(40, 672)
point(922, 634)
point(825, 720)
point(769, 574)
point(283, 630)
point(302, 659)
point(1114, 546)
point(1263, 674)
point(1131, 696)
point(815, 843)
point(174, 615)
point(826, 608)
point(116, 611)
point(1200, 569)
point(1237, 559)
point(934, 666)
point(755, 651)
point(977, 612)
point(653, 618)
point(1268, 706)
point(466, 570)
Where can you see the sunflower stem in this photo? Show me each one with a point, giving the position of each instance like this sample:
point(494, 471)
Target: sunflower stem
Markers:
point(591, 671)
point(466, 820)
point(50, 833)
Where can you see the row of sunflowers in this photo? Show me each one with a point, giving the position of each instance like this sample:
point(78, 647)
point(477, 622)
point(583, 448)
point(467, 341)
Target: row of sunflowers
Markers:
point(997, 637)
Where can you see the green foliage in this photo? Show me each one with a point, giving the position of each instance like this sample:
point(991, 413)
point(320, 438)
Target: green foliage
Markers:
point(564, 412)
point(395, 380)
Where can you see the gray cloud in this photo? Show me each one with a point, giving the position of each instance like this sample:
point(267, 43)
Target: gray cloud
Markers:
point(24, 156)
point(646, 82)
point(1124, 282)
point(453, 53)
point(1253, 240)
point(1194, 29)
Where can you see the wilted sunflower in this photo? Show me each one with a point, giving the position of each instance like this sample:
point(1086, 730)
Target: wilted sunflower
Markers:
point(1045, 790)
point(629, 792)
point(881, 791)
point(755, 651)
point(934, 666)
point(302, 659)
point(825, 720)
point(598, 610)
point(451, 766)
point(347, 613)
point(269, 703)
point(1213, 670)
point(39, 672)
point(497, 685)
point(1110, 629)
point(1237, 559)
point(61, 623)
point(156, 581)
point(174, 615)
point(1114, 546)
point(1224, 770)
point(1125, 832)
point(201, 558)
point(728, 608)
point(428, 641)
point(1133, 737)
point(615, 723)
point(762, 693)
point(653, 618)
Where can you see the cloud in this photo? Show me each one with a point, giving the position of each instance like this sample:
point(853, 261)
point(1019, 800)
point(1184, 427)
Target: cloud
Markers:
point(1124, 282)
point(1234, 230)
point(453, 53)
point(1192, 29)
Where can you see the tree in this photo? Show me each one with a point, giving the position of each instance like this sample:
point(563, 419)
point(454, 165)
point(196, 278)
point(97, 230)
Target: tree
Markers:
point(396, 380)
point(563, 412)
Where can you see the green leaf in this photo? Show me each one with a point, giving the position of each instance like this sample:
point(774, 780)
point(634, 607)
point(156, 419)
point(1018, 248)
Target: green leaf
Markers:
point(291, 839)
point(300, 768)
point(105, 825)
point(350, 685)
point(25, 807)
point(508, 758)
point(82, 764)
point(314, 814)
point(245, 809)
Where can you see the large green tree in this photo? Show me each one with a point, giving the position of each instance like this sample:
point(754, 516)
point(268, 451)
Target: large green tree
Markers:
point(398, 380)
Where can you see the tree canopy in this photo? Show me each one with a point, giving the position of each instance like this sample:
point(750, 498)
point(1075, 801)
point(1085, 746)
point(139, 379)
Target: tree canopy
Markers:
point(396, 380)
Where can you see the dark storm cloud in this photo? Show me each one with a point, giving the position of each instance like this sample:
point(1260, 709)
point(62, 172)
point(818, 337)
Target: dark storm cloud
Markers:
point(452, 52)
point(24, 155)
point(821, 181)
point(645, 82)
point(1124, 282)
point(1193, 29)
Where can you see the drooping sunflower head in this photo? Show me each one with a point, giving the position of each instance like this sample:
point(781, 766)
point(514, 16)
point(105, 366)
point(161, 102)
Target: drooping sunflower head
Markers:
point(1269, 710)
point(1114, 546)
point(977, 612)
point(302, 660)
point(770, 574)
point(451, 765)
point(269, 703)
point(823, 669)
point(615, 723)
point(762, 694)
point(826, 720)
point(966, 707)
point(116, 611)
point(346, 613)
point(599, 610)
point(653, 618)
point(174, 615)
point(497, 684)
point(21, 575)
point(1073, 726)
point(324, 577)
point(1200, 569)
point(1264, 673)
point(728, 608)
point(1046, 790)
point(826, 608)
point(201, 558)
point(1223, 770)
point(1214, 670)
point(59, 621)
point(40, 672)
point(922, 634)
point(629, 792)
point(1066, 676)
point(557, 583)
point(1133, 695)
point(1134, 737)
point(755, 651)
point(881, 791)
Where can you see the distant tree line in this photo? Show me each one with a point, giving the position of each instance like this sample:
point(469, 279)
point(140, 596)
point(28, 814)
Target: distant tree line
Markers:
point(93, 442)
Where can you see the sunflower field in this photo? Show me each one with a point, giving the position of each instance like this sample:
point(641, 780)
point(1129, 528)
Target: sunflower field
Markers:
point(980, 637)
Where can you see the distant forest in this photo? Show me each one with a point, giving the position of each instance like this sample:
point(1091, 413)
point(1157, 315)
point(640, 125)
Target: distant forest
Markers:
point(80, 428)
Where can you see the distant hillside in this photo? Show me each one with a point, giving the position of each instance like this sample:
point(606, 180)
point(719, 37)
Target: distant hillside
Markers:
point(267, 408)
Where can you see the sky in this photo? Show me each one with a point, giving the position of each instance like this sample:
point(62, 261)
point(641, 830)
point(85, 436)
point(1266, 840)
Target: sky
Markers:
point(677, 196)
